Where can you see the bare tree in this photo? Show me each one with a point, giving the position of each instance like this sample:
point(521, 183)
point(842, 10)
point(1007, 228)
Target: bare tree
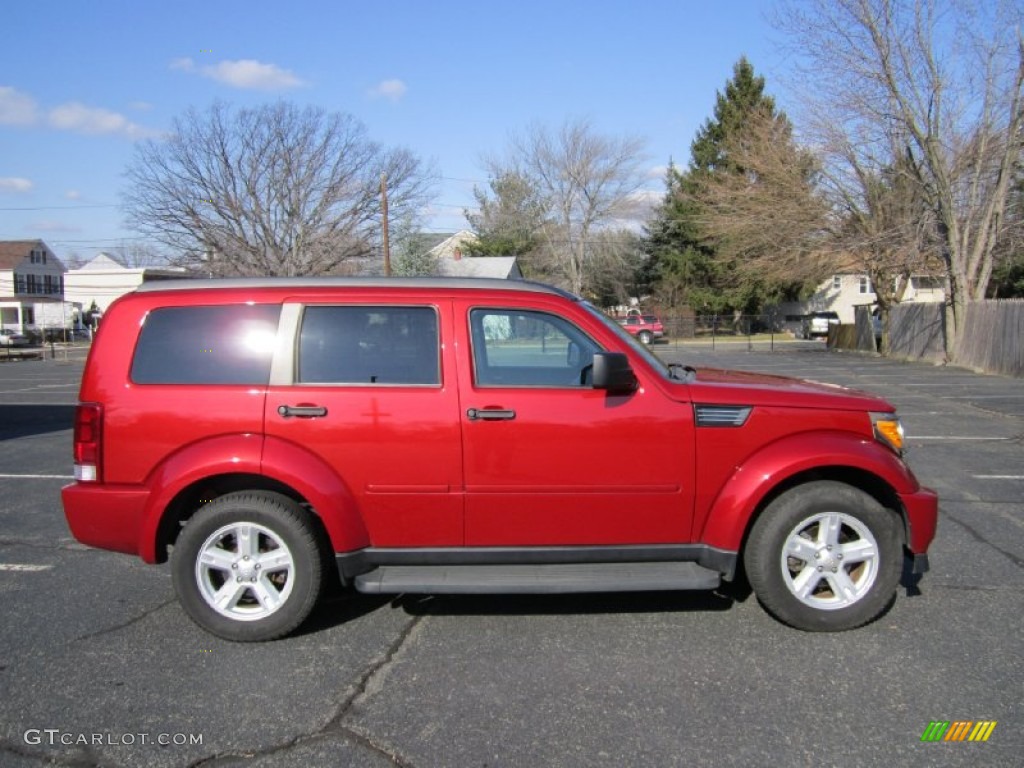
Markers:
point(585, 182)
point(135, 254)
point(768, 216)
point(617, 258)
point(940, 82)
point(273, 190)
point(885, 225)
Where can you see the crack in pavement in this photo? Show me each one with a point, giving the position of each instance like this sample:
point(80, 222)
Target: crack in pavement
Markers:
point(369, 683)
point(1019, 562)
point(80, 758)
point(123, 625)
point(975, 587)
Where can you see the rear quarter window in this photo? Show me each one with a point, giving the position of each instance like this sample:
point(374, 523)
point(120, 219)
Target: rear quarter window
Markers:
point(231, 344)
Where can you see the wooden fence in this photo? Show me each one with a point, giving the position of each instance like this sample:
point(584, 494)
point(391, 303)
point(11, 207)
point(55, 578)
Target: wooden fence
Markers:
point(992, 341)
point(993, 336)
point(917, 332)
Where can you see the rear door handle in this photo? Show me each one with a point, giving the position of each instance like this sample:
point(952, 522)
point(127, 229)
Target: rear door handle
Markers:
point(302, 411)
point(490, 414)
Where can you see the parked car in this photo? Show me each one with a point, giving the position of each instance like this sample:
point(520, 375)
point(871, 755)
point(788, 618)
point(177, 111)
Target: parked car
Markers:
point(646, 328)
point(816, 324)
point(9, 338)
point(464, 436)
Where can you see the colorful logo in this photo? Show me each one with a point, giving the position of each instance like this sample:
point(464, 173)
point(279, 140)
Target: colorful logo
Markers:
point(958, 730)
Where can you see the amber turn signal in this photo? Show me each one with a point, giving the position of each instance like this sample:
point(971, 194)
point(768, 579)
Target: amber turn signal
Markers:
point(888, 430)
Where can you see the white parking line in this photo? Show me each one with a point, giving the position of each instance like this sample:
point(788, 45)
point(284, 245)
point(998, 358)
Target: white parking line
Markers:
point(24, 567)
point(38, 477)
point(985, 397)
point(998, 477)
point(951, 437)
point(37, 388)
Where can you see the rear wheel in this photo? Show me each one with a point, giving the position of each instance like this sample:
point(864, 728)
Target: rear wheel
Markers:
point(645, 337)
point(248, 566)
point(825, 556)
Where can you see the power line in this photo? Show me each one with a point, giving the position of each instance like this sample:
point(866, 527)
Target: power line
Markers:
point(61, 207)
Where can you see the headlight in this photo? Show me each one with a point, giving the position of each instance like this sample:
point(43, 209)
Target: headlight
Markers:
point(888, 430)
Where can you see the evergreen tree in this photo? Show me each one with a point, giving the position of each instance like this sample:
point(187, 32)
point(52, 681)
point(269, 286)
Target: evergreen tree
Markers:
point(684, 267)
point(508, 221)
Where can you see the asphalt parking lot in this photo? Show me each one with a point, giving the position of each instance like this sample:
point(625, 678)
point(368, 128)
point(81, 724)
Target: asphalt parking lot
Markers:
point(99, 665)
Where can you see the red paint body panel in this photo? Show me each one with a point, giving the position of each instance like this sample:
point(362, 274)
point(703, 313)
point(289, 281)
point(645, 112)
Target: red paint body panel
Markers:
point(922, 511)
point(223, 455)
point(316, 481)
point(398, 451)
point(751, 481)
point(105, 516)
point(555, 475)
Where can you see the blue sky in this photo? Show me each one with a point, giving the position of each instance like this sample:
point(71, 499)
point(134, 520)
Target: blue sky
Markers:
point(81, 82)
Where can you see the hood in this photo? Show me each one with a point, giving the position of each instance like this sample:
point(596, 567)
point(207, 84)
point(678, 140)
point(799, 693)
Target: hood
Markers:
point(715, 386)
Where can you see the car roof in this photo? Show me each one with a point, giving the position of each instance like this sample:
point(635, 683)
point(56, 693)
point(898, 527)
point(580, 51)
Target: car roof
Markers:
point(320, 283)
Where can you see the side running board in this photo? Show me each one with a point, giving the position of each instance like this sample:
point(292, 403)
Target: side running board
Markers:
point(536, 579)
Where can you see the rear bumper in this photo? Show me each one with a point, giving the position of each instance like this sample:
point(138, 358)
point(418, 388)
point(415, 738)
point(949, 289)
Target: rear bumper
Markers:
point(922, 510)
point(105, 516)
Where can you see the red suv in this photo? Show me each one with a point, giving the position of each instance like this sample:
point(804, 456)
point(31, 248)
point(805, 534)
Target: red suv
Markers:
point(463, 436)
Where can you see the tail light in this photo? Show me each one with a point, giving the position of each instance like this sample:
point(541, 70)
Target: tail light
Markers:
point(88, 442)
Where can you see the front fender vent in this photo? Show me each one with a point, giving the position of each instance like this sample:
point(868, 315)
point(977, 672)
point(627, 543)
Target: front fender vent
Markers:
point(721, 415)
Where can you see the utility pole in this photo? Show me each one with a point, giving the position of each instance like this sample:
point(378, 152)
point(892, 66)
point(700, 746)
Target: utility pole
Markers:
point(384, 222)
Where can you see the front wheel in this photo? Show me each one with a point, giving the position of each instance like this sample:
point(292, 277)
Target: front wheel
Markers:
point(248, 567)
point(825, 557)
point(645, 337)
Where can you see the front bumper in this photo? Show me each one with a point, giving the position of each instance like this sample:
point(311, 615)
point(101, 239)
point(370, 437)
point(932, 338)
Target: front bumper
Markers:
point(922, 514)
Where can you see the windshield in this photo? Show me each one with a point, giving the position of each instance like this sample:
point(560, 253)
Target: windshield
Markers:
point(644, 351)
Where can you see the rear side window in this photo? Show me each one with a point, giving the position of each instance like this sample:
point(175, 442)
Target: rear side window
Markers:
point(369, 345)
point(230, 344)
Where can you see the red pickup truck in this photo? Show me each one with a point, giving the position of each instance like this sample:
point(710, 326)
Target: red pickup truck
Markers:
point(647, 328)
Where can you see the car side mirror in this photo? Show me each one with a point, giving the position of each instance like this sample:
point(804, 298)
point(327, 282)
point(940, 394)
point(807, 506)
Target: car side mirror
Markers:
point(612, 373)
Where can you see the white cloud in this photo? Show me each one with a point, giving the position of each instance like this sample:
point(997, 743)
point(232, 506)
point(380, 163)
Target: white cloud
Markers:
point(77, 117)
point(73, 194)
point(14, 184)
point(16, 108)
point(657, 172)
point(243, 73)
point(252, 74)
point(393, 90)
point(141, 106)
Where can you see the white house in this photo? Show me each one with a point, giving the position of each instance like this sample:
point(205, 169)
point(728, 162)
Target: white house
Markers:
point(843, 292)
point(31, 287)
point(452, 263)
point(105, 278)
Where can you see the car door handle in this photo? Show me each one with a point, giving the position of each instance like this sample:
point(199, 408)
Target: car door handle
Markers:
point(490, 414)
point(302, 411)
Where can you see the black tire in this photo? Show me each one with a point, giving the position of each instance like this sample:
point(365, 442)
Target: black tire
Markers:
point(821, 586)
point(645, 337)
point(278, 582)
